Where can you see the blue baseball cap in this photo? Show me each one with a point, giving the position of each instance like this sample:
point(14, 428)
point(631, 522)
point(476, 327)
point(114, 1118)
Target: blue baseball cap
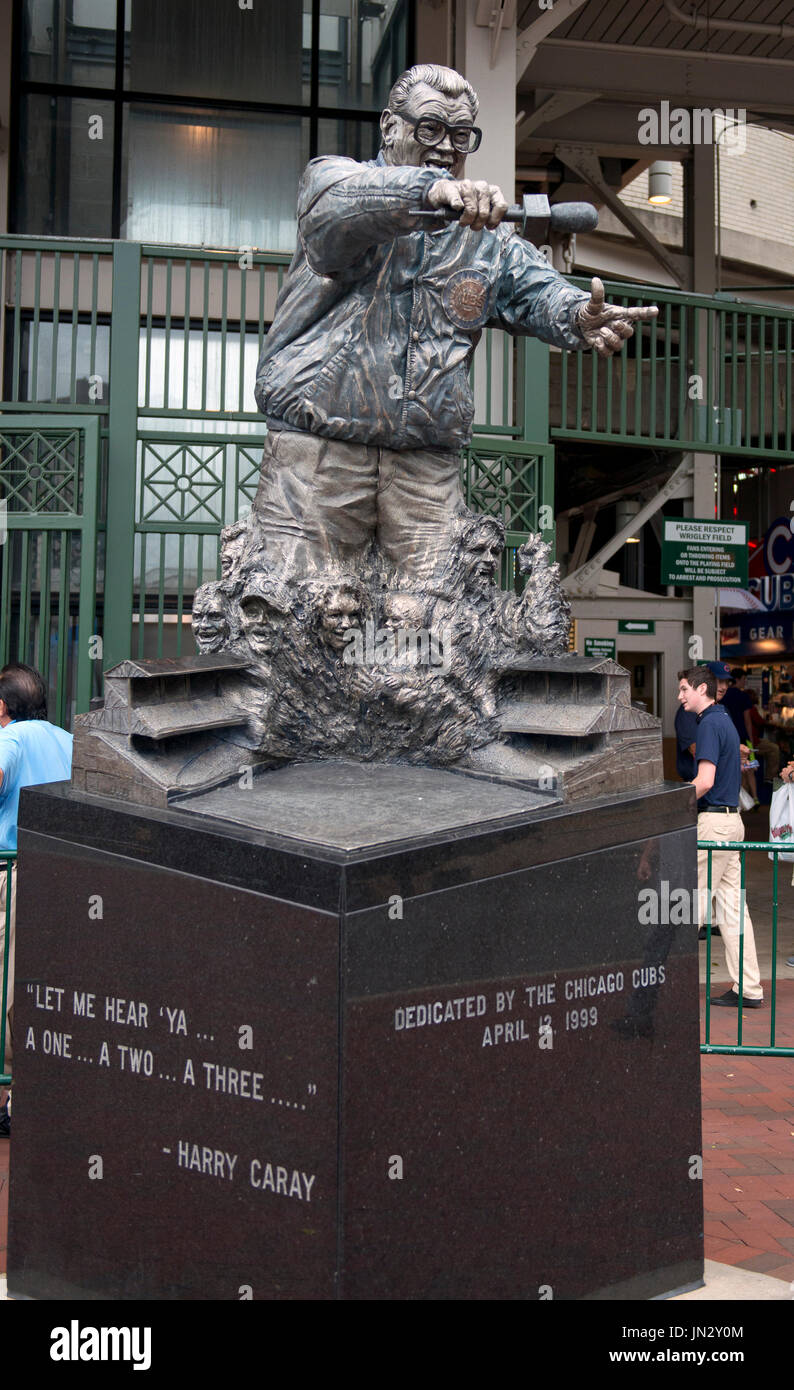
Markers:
point(719, 669)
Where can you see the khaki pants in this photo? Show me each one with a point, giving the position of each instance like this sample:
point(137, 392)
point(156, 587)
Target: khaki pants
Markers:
point(726, 892)
point(11, 948)
point(320, 499)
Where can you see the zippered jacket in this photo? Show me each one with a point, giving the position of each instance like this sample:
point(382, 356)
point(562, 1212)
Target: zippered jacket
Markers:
point(378, 317)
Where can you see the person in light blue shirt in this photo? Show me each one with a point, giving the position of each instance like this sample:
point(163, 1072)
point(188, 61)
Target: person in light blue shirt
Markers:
point(32, 751)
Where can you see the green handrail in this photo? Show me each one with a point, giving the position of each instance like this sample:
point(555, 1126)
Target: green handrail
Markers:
point(743, 847)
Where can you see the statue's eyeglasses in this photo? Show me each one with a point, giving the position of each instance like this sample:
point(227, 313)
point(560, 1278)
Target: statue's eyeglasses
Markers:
point(430, 131)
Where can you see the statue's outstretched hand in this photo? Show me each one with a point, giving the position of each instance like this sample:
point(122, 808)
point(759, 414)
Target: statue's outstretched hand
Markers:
point(480, 204)
point(606, 326)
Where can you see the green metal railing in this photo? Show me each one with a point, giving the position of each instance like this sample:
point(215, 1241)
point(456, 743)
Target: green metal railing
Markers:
point(7, 862)
point(743, 847)
point(155, 347)
point(712, 374)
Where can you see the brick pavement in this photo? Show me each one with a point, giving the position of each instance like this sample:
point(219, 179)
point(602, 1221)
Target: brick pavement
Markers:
point(748, 1143)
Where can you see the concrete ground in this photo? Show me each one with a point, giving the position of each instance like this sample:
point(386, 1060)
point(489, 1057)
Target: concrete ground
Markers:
point(729, 1284)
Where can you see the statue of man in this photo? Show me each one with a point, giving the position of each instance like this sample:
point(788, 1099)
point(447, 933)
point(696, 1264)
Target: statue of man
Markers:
point(364, 376)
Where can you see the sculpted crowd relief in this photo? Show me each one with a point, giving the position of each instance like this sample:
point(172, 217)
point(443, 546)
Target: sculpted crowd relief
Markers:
point(362, 592)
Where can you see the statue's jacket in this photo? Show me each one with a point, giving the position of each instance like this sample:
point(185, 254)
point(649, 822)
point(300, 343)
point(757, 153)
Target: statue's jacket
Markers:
point(378, 317)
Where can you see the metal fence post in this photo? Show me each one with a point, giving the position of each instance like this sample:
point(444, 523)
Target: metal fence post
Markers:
point(533, 364)
point(741, 1048)
point(122, 453)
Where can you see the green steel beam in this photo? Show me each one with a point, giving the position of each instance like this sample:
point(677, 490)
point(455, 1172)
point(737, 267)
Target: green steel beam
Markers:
point(533, 389)
point(122, 451)
point(684, 445)
point(88, 540)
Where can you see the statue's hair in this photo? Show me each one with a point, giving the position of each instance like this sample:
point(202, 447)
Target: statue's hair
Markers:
point(233, 530)
point(212, 592)
point(469, 527)
point(317, 592)
point(445, 80)
point(327, 584)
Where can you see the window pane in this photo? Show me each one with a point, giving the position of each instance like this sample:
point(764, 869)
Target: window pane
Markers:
point(213, 48)
point(362, 51)
point(66, 167)
point(205, 381)
point(357, 139)
point(82, 356)
point(69, 42)
point(210, 178)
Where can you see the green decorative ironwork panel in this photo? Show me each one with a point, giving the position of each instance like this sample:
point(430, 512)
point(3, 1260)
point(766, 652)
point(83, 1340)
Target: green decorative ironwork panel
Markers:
point(41, 469)
point(49, 485)
point(510, 479)
point(248, 460)
point(182, 482)
point(188, 489)
point(200, 479)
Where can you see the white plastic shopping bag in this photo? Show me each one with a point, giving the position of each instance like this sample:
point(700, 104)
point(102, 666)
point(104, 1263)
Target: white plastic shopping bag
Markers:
point(781, 820)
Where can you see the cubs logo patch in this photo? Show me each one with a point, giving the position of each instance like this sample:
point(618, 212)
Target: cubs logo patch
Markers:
point(465, 298)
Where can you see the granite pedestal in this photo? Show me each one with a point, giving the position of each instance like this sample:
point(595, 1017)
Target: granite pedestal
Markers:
point(404, 1035)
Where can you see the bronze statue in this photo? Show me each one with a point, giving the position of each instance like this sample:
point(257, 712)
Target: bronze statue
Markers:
point(364, 376)
point(359, 522)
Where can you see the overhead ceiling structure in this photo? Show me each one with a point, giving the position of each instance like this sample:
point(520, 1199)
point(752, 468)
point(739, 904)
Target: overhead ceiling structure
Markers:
point(619, 56)
point(587, 70)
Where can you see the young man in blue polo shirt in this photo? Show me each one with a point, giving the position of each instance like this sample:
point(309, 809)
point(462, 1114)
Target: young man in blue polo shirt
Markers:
point(686, 723)
point(32, 751)
point(717, 783)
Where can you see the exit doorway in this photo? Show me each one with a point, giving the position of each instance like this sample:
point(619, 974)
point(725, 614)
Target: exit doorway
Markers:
point(644, 669)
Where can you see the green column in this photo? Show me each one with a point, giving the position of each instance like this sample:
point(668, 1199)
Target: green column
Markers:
point(533, 391)
point(122, 451)
point(534, 368)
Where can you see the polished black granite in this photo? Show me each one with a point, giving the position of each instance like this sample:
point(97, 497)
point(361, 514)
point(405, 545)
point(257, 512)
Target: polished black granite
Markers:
point(458, 1067)
point(350, 806)
point(263, 861)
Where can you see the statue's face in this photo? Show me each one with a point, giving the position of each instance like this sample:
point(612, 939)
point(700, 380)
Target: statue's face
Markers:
point(341, 613)
point(210, 626)
point(402, 611)
point(231, 552)
point(400, 143)
point(483, 554)
point(261, 624)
